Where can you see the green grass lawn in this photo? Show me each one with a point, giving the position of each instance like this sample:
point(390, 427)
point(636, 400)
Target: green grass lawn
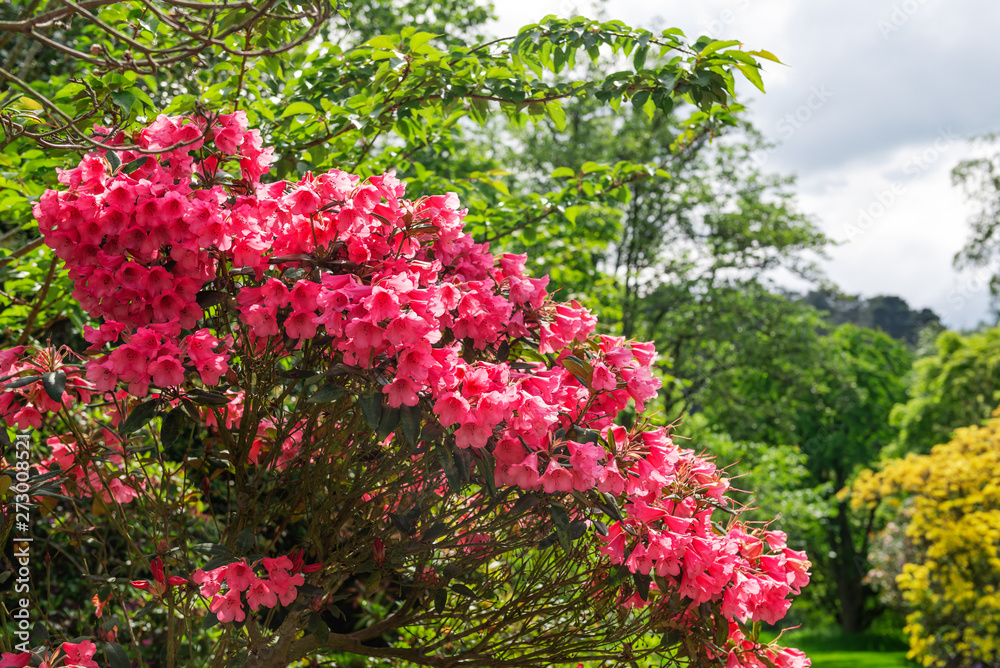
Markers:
point(858, 659)
point(830, 648)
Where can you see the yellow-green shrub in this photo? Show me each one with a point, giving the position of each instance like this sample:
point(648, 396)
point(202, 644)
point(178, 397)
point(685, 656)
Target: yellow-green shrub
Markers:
point(950, 499)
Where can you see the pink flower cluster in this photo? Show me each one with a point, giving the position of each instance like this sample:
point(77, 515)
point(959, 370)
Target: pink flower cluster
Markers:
point(246, 588)
point(70, 655)
point(396, 291)
point(154, 355)
point(140, 245)
point(161, 582)
point(675, 538)
point(23, 407)
point(110, 481)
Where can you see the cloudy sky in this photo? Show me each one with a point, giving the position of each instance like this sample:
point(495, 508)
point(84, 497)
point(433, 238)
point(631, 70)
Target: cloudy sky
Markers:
point(875, 107)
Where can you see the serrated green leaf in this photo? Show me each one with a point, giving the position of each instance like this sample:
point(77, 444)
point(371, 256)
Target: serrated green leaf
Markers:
point(381, 42)
point(421, 38)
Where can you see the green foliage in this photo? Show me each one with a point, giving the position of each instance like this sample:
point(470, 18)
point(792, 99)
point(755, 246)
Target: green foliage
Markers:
point(778, 485)
point(836, 404)
point(832, 398)
point(955, 386)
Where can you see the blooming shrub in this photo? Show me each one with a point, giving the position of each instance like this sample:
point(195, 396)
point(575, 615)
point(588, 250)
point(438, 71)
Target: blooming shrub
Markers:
point(949, 501)
point(341, 370)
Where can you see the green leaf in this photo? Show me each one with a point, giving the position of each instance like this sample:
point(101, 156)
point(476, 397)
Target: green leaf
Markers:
point(210, 548)
point(133, 165)
point(451, 472)
point(327, 394)
point(239, 660)
point(639, 60)
point(752, 74)
point(486, 472)
point(207, 298)
point(524, 504)
point(117, 656)
point(716, 45)
point(296, 108)
point(114, 160)
point(208, 398)
point(388, 423)
point(371, 408)
point(460, 588)
point(382, 42)
point(440, 600)
point(139, 417)
point(54, 383)
point(434, 532)
point(421, 38)
point(412, 420)
point(562, 172)
point(642, 583)
point(124, 99)
point(171, 426)
point(591, 166)
point(767, 55)
point(561, 520)
point(557, 114)
point(245, 540)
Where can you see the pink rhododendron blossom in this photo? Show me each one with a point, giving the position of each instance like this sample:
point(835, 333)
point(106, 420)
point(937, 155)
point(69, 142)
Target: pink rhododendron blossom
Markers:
point(191, 282)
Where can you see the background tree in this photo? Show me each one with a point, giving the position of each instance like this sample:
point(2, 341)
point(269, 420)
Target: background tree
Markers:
point(980, 179)
point(688, 254)
point(957, 385)
point(948, 502)
point(889, 314)
point(834, 401)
